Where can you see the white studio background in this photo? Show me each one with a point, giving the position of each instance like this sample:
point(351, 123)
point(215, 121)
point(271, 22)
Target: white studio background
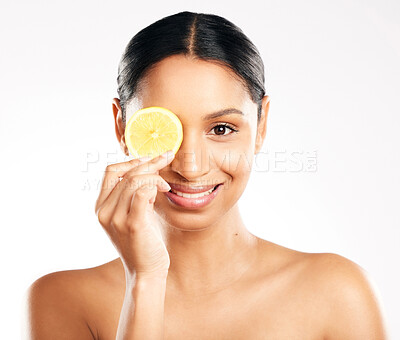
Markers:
point(327, 179)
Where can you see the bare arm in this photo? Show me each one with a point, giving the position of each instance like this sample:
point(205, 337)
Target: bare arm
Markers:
point(142, 314)
point(125, 210)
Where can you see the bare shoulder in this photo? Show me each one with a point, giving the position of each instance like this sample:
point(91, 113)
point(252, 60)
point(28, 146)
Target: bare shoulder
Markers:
point(345, 294)
point(335, 292)
point(58, 305)
point(351, 300)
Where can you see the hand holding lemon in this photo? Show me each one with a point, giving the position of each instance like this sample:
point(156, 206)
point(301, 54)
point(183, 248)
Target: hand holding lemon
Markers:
point(125, 208)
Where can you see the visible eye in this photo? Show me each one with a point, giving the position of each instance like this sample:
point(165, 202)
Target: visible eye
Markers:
point(220, 129)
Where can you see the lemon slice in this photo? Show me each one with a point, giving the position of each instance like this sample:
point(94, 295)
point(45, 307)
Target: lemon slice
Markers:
point(152, 131)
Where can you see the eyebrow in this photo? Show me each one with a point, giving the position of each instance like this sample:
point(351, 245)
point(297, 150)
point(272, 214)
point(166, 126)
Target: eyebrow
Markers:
point(224, 112)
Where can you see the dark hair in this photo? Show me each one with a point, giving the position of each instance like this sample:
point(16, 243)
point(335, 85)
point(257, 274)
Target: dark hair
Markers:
point(203, 36)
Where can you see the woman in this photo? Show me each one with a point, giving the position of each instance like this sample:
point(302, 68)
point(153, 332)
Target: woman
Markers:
point(190, 269)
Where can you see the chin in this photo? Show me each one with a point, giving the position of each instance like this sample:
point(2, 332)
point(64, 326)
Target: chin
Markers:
point(187, 220)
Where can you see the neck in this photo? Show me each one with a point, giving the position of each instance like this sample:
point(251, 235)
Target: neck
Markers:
point(211, 259)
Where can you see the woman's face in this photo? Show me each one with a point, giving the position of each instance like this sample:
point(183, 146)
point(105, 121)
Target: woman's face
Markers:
point(209, 153)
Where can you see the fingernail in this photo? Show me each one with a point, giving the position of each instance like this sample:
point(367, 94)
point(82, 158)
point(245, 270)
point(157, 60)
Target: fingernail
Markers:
point(168, 154)
point(165, 186)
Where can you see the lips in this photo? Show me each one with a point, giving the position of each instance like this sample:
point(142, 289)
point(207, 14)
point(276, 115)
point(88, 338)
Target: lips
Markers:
point(193, 202)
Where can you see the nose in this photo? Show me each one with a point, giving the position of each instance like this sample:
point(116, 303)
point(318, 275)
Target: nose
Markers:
point(191, 160)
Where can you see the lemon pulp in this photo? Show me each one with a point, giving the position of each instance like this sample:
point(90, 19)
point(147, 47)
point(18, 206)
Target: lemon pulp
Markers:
point(152, 131)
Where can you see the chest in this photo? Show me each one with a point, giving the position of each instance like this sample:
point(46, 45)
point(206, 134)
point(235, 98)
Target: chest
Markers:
point(241, 314)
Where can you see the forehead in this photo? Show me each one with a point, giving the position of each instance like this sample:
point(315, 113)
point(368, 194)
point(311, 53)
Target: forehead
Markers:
point(182, 84)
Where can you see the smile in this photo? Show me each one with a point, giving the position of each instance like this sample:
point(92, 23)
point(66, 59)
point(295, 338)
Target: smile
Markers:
point(187, 195)
point(193, 199)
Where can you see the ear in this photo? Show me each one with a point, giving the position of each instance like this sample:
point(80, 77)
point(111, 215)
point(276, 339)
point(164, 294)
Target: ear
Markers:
point(119, 125)
point(262, 124)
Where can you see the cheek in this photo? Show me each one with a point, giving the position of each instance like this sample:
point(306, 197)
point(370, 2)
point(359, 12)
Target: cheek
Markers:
point(235, 159)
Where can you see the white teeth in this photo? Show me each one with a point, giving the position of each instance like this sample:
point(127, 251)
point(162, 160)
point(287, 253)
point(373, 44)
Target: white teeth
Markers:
point(200, 194)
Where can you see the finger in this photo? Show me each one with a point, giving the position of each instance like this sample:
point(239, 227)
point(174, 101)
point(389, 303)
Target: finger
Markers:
point(141, 200)
point(111, 177)
point(117, 205)
point(154, 165)
point(127, 187)
point(122, 203)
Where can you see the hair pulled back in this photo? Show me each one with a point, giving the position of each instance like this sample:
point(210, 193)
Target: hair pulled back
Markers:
point(202, 36)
